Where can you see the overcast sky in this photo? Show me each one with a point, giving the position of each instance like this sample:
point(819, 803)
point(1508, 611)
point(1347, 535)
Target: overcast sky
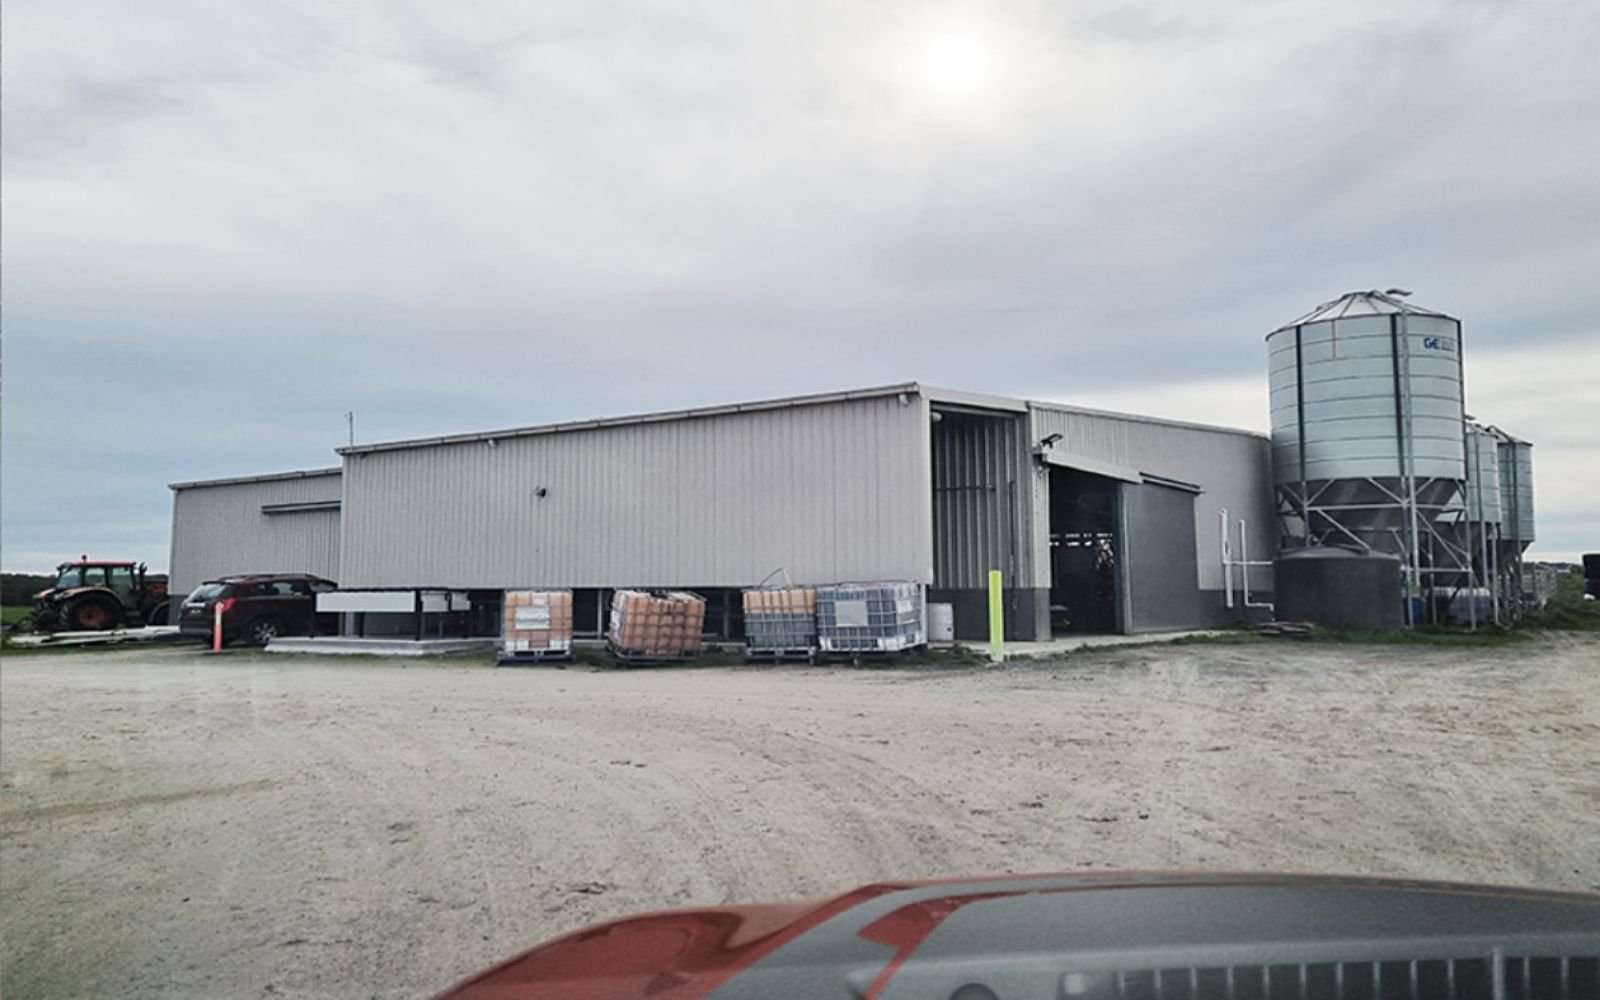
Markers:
point(226, 224)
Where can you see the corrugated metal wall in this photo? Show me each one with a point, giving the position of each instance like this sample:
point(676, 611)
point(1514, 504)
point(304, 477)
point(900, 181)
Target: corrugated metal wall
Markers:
point(834, 491)
point(220, 531)
point(1159, 559)
point(1234, 470)
point(980, 479)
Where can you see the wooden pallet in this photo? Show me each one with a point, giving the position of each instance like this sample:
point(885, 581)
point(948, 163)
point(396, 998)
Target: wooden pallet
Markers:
point(536, 658)
point(800, 654)
point(634, 658)
point(856, 657)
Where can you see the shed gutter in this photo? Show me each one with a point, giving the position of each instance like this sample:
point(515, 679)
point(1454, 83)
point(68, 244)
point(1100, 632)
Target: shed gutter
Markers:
point(272, 477)
point(908, 389)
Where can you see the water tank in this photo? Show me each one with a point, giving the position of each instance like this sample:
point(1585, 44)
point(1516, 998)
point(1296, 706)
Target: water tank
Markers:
point(1516, 490)
point(1471, 605)
point(1338, 378)
point(1482, 493)
point(1339, 588)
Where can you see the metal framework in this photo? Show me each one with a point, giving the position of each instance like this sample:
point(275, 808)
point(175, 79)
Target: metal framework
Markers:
point(1431, 535)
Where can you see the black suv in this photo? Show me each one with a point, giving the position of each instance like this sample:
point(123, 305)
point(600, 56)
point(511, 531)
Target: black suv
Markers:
point(258, 608)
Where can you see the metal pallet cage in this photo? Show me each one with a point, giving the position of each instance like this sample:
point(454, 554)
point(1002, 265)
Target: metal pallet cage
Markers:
point(780, 623)
point(867, 618)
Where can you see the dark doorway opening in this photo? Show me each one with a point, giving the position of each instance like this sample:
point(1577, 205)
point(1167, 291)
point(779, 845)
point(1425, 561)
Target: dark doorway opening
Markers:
point(1085, 553)
point(980, 474)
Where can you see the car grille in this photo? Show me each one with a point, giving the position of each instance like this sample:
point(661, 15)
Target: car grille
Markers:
point(1492, 977)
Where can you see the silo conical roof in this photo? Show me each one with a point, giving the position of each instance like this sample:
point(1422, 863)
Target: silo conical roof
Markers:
point(1368, 303)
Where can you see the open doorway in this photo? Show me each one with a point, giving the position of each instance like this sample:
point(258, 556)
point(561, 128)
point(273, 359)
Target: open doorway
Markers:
point(1085, 553)
point(980, 475)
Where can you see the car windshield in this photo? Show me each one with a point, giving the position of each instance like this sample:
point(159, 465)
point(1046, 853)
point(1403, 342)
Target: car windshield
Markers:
point(69, 576)
point(208, 592)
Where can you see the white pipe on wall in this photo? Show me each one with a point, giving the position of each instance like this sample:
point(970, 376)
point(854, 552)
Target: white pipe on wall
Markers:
point(1244, 569)
point(1243, 562)
point(1227, 561)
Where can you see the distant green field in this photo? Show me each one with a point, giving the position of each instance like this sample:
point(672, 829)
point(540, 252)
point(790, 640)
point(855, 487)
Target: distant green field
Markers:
point(13, 613)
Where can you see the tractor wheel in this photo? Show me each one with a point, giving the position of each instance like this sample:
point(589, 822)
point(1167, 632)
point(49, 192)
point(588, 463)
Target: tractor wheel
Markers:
point(159, 614)
point(93, 615)
point(261, 630)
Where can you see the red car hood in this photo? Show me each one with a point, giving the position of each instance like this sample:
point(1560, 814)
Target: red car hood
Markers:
point(1082, 936)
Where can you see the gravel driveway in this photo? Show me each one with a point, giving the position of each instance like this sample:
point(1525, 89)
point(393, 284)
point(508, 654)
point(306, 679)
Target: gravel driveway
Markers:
point(176, 825)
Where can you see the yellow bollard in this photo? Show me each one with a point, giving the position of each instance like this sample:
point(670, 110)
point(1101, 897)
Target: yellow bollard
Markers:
point(997, 619)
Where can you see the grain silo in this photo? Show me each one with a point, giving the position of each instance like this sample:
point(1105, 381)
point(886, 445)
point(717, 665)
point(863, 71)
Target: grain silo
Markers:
point(1475, 529)
point(1368, 435)
point(1516, 530)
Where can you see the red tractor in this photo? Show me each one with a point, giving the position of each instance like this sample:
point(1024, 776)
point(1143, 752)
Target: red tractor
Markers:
point(95, 596)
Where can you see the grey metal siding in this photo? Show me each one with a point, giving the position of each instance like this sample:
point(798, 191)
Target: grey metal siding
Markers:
point(829, 491)
point(979, 508)
point(220, 530)
point(1233, 470)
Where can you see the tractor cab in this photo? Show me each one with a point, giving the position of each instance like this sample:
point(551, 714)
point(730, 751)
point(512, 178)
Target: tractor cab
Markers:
point(118, 577)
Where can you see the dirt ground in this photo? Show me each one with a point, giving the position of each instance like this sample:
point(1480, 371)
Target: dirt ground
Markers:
point(173, 825)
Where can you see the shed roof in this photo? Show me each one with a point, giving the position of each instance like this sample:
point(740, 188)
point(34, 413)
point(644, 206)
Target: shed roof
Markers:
point(781, 403)
point(1139, 418)
point(949, 397)
point(270, 477)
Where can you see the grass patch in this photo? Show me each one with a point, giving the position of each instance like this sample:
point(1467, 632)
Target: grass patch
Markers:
point(948, 656)
point(1239, 638)
point(956, 656)
point(1218, 639)
point(13, 613)
point(470, 657)
point(1485, 637)
point(1567, 611)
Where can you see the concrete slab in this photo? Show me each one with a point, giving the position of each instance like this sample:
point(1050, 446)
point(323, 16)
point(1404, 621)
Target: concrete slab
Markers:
point(344, 645)
point(1066, 644)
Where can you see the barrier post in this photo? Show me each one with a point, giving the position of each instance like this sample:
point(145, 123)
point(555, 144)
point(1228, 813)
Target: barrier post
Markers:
point(997, 619)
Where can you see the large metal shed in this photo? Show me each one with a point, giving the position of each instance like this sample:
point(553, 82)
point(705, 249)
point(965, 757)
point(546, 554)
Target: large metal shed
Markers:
point(286, 522)
point(1099, 521)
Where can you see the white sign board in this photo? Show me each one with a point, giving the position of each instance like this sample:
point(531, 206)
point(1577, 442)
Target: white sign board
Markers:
point(402, 601)
point(533, 618)
point(435, 601)
point(851, 613)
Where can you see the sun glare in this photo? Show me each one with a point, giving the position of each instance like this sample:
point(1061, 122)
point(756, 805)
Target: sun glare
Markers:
point(955, 65)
